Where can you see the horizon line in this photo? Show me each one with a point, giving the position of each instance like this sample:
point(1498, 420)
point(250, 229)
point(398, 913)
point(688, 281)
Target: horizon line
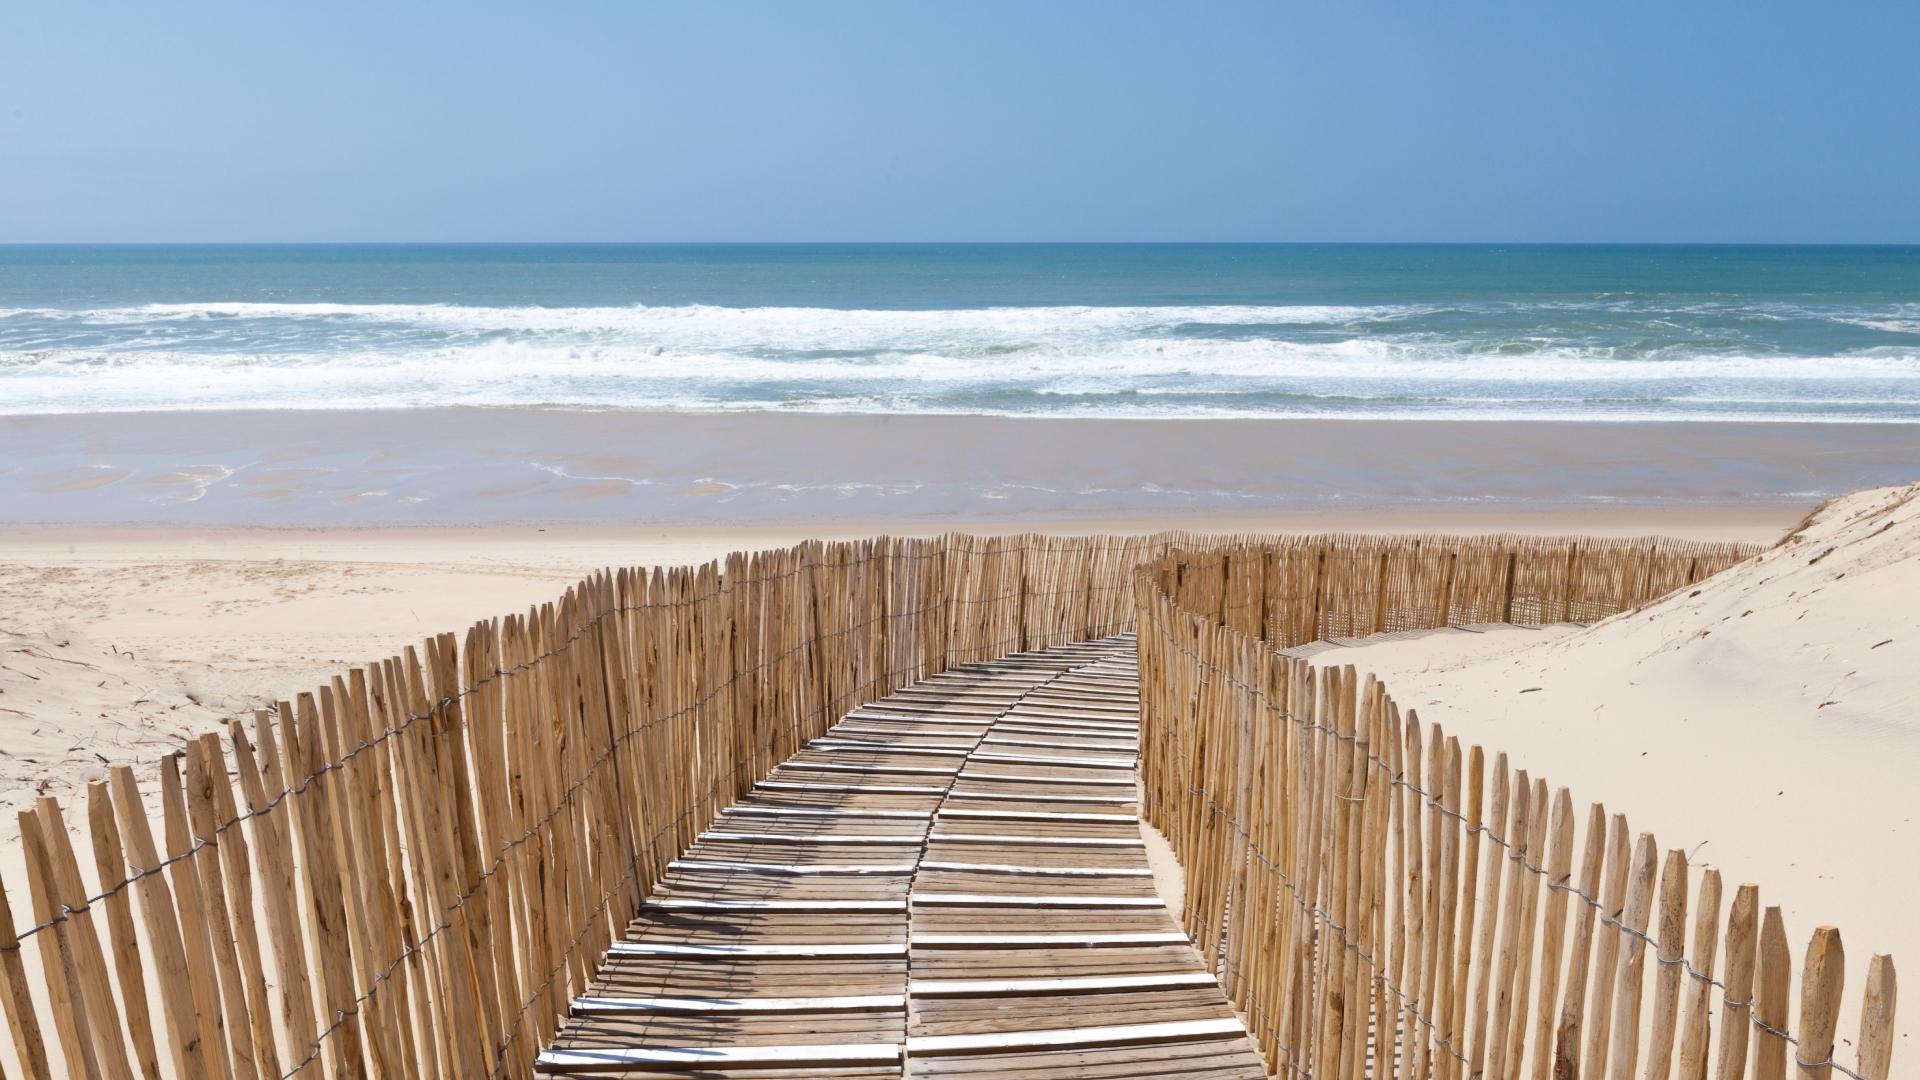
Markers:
point(4, 244)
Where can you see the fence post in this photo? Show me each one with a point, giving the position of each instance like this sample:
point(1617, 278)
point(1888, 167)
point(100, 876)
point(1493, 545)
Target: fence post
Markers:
point(1876, 1020)
point(1566, 585)
point(1319, 591)
point(1821, 978)
point(1380, 596)
point(1506, 606)
point(21, 1017)
point(1770, 999)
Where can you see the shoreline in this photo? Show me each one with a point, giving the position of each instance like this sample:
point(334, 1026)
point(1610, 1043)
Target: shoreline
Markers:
point(450, 467)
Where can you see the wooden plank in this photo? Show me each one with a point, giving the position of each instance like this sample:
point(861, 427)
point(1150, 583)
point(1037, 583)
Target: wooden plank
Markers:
point(717, 1057)
point(674, 903)
point(936, 988)
point(998, 796)
point(823, 811)
point(872, 770)
point(1040, 759)
point(812, 838)
point(923, 940)
point(875, 746)
point(876, 789)
point(927, 899)
point(1077, 781)
point(600, 1006)
point(1065, 841)
point(804, 951)
point(934, 1045)
point(798, 869)
point(1055, 744)
point(1036, 815)
point(1060, 871)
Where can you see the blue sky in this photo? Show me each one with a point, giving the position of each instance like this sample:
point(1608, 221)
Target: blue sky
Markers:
point(899, 120)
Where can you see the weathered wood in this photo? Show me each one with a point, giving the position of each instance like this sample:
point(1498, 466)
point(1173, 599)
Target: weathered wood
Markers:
point(933, 988)
point(1697, 990)
point(1876, 1020)
point(22, 1020)
point(111, 865)
point(190, 1051)
point(931, 1045)
point(1821, 978)
point(1624, 1053)
point(721, 1057)
point(1671, 929)
point(58, 965)
point(90, 962)
point(1559, 866)
point(1769, 1045)
point(1737, 1003)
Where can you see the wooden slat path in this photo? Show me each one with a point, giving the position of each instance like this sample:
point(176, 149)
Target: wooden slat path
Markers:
point(950, 882)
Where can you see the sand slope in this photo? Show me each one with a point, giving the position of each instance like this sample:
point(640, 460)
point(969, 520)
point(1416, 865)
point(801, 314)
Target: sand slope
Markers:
point(1764, 721)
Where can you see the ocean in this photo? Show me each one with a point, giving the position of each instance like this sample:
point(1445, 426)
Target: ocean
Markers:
point(1386, 331)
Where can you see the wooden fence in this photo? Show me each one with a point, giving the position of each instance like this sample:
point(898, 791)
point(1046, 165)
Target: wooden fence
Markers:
point(1380, 900)
point(1301, 589)
point(410, 870)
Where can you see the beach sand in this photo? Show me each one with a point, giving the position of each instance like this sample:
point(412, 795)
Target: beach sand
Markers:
point(1761, 721)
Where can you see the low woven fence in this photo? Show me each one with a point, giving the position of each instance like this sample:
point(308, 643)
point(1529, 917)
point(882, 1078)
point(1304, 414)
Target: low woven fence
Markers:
point(1380, 900)
point(410, 870)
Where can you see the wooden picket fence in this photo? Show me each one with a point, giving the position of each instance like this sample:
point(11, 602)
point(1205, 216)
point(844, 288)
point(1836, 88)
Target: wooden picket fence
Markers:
point(411, 870)
point(1380, 900)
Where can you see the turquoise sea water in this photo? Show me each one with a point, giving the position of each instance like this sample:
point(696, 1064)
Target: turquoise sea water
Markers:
point(1486, 331)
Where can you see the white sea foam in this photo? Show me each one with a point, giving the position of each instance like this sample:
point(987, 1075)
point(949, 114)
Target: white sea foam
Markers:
point(1356, 359)
point(779, 327)
point(1160, 360)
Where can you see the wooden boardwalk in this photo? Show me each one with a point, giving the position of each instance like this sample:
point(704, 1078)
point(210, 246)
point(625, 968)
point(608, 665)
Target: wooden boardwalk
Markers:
point(951, 882)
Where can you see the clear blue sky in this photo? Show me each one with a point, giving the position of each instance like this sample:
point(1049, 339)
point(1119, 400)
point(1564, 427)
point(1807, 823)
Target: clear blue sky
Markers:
point(960, 120)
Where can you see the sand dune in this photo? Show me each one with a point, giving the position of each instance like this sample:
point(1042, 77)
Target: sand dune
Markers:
point(1764, 721)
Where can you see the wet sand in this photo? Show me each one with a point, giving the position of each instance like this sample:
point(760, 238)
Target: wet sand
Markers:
point(502, 466)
